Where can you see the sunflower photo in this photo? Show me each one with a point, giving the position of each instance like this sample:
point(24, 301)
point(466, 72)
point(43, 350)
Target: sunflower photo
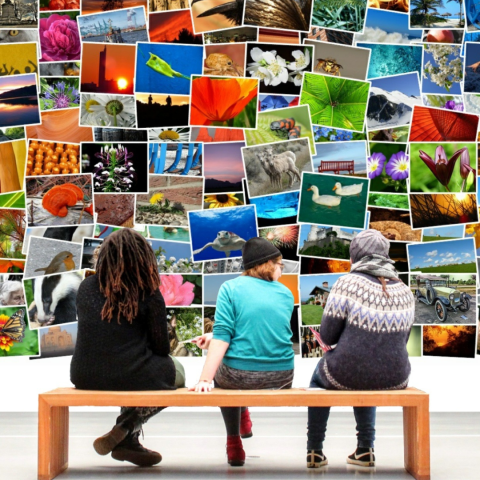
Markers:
point(224, 102)
point(335, 102)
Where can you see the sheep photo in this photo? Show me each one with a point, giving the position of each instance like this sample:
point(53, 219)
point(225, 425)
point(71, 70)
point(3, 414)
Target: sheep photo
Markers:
point(277, 167)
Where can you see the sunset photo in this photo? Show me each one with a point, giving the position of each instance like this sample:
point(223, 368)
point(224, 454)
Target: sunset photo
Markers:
point(19, 100)
point(107, 68)
point(162, 110)
point(173, 27)
point(449, 341)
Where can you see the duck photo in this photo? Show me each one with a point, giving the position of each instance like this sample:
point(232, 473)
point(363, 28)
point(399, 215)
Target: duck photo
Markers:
point(345, 191)
point(345, 208)
point(328, 200)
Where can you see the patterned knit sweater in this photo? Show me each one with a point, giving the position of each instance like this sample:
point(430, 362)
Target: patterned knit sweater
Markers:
point(370, 333)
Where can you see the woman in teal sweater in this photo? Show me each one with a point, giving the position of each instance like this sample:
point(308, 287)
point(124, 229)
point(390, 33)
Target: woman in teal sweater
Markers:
point(251, 347)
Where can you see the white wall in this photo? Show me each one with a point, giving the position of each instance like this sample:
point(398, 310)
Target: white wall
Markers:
point(453, 384)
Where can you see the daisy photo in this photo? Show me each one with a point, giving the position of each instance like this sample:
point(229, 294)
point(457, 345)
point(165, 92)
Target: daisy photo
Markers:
point(168, 134)
point(107, 111)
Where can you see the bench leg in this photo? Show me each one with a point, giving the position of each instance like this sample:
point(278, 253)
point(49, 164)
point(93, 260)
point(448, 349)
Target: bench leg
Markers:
point(52, 440)
point(416, 437)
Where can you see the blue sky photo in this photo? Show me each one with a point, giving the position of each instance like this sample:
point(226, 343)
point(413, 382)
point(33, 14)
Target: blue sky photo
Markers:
point(352, 150)
point(433, 254)
point(450, 231)
point(407, 83)
point(309, 282)
point(212, 284)
point(383, 26)
point(430, 87)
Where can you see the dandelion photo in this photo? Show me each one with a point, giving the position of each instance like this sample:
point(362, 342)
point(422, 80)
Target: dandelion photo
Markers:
point(443, 167)
point(59, 93)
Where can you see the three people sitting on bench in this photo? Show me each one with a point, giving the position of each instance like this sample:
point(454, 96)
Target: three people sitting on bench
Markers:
point(122, 340)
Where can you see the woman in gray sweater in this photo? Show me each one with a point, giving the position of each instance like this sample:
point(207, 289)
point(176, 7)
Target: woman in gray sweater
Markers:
point(365, 326)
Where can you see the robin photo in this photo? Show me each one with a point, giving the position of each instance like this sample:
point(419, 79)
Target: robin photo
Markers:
point(62, 262)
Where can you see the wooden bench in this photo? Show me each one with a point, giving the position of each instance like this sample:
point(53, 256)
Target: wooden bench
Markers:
point(53, 415)
point(337, 166)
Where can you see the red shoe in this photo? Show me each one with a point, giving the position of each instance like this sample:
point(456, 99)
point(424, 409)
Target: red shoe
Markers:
point(235, 451)
point(246, 425)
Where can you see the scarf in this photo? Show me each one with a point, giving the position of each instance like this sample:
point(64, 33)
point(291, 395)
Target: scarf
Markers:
point(377, 266)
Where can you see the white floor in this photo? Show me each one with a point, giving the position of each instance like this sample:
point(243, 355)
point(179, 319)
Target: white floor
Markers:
point(193, 446)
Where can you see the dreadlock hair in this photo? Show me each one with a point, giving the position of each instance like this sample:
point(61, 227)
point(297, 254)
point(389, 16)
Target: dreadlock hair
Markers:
point(126, 269)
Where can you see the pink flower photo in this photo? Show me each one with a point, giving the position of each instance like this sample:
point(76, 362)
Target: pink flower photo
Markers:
point(59, 37)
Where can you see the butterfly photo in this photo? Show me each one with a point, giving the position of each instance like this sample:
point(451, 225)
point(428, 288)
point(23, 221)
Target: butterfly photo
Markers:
point(15, 336)
point(14, 327)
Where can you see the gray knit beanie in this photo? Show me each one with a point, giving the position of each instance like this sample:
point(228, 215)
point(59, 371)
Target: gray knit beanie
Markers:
point(367, 243)
point(257, 250)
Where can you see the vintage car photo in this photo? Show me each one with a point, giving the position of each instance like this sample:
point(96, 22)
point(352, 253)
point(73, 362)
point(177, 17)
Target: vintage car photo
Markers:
point(436, 291)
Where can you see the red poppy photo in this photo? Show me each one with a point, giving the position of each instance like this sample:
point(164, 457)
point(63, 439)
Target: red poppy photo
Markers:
point(224, 102)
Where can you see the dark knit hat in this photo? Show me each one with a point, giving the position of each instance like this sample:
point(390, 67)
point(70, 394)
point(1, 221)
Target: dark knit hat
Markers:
point(369, 242)
point(257, 250)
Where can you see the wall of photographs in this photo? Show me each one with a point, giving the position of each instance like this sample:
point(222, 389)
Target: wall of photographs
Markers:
point(202, 127)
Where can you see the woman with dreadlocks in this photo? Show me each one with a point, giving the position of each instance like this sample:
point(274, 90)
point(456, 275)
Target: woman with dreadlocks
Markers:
point(122, 339)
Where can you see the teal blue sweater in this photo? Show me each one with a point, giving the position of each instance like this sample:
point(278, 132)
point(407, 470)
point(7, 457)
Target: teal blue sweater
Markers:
point(253, 316)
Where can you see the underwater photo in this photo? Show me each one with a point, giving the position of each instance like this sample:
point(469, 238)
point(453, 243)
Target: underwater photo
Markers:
point(166, 68)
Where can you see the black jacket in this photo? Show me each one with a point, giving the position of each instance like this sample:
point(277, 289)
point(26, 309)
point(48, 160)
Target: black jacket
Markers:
point(109, 356)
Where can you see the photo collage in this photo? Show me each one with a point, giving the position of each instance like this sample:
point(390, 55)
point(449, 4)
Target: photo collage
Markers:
point(203, 124)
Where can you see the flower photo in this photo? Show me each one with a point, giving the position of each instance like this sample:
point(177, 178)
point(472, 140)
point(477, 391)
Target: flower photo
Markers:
point(59, 37)
point(168, 134)
point(388, 167)
point(224, 102)
point(116, 167)
point(279, 68)
point(107, 110)
point(443, 167)
point(442, 69)
point(58, 93)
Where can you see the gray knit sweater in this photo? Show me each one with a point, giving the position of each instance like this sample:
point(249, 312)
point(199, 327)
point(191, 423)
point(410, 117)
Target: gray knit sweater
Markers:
point(370, 333)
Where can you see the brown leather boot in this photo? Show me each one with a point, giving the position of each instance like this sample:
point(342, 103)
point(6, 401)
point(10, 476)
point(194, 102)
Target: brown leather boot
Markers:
point(127, 423)
point(133, 451)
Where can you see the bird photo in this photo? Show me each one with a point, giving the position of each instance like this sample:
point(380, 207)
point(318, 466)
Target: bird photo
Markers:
point(209, 15)
point(62, 262)
point(284, 14)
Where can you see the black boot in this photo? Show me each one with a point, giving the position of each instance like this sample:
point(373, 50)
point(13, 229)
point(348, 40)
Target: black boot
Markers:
point(127, 423)
point(133, 451)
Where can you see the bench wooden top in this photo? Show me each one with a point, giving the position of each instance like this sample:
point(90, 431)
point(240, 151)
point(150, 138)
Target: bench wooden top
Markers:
point(294, 397)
